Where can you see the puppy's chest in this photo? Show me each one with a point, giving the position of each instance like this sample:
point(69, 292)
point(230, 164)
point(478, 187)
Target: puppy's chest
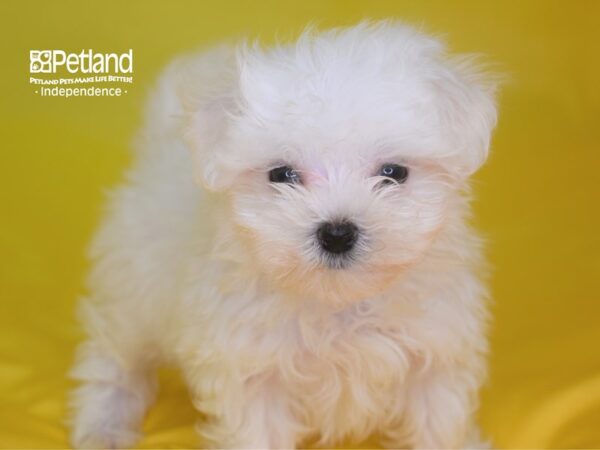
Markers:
point(351, 371)
point(347, 358)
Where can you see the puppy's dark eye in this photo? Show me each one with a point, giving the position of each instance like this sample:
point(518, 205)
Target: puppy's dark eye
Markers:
point(284, 174)
point(394, 172)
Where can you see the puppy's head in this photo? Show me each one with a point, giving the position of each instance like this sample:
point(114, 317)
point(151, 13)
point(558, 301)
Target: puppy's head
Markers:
point(343, 155)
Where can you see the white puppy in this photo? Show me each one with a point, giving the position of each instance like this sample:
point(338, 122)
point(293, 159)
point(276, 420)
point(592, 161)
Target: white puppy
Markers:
point(293, 236)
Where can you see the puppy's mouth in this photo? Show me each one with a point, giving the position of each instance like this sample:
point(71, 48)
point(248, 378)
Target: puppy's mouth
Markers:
point(338, 262)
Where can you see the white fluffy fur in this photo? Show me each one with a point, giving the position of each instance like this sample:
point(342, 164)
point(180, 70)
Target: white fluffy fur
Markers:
point(220, 274)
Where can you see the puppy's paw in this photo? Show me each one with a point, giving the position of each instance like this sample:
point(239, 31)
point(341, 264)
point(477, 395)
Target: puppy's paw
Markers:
point(109, 437)
point(476, 442)
point(108, 417)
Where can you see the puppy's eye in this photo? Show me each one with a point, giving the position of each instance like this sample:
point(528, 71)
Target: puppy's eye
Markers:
point(284, 174)
point(394, 172)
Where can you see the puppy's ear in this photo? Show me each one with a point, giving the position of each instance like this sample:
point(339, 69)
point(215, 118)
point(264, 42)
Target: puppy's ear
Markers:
point(466, 111)
point(206, 86)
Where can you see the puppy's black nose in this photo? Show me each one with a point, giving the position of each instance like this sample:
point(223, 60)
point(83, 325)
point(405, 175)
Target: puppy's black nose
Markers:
point(337, 237)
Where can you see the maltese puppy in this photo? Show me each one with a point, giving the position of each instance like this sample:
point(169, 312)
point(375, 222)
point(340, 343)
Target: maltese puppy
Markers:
point(293, 236)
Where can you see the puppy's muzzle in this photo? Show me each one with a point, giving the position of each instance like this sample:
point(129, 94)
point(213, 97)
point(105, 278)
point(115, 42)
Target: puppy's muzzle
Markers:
point(337, 237)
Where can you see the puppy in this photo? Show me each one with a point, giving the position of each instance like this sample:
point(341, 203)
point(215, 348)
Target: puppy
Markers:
point(293, 237)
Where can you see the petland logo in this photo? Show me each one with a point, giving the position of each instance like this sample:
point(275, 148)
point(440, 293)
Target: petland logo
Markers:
point(92, 67)
point(48, 61)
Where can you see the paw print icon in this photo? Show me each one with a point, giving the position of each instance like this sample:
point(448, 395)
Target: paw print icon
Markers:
point(40, 61)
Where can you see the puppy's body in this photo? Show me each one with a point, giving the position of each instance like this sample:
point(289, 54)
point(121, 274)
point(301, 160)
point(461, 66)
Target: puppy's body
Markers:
point(279, 342)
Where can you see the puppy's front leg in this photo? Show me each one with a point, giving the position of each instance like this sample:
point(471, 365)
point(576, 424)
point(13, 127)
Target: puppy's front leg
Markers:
point(437, 414)
point(109, 405)
point(254, 415)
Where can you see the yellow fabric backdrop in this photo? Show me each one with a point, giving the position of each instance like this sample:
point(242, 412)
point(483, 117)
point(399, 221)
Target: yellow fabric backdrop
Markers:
point(538, 199)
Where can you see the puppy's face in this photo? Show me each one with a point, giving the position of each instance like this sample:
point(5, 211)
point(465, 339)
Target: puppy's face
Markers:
point(342, 224)
point(342, 164)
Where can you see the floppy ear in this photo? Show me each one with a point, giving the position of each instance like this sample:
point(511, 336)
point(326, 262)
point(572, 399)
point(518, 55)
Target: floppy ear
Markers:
point(466, 111)
point(206, 86)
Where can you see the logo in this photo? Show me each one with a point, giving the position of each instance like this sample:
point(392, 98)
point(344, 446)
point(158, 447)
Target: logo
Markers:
point(99, 71)
point(40, 61)
point(87, 61)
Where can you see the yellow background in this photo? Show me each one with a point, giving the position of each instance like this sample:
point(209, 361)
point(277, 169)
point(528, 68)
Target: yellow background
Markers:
point(538, 199)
